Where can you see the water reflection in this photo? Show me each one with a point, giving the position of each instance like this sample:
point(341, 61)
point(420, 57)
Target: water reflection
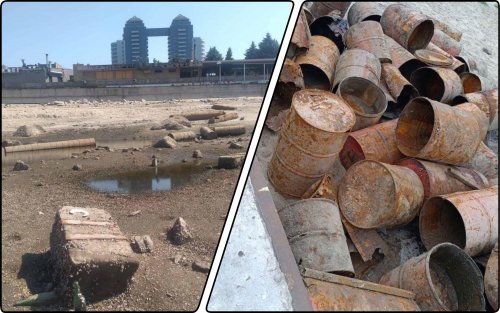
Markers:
point(152, 179)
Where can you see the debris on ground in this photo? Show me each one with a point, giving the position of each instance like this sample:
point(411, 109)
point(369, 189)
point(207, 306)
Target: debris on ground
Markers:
point(180, 232)
point(21, 166)
point(166, 142)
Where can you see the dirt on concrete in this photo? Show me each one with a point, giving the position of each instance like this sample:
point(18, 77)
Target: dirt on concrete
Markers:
point(165, 279)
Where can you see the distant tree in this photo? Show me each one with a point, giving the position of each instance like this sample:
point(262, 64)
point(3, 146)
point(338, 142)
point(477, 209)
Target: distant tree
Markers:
point(252, 52)
point(268, 48)
point(229, 54)
point(213, 55)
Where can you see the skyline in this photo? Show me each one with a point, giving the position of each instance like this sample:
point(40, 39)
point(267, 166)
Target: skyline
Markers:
point(66, 30)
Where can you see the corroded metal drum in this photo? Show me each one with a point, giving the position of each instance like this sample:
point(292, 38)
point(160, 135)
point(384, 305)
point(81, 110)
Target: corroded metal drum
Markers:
point(410, 29)
point(487, 101)
point(374, 194)
point(444, 279)
point(368, 35)
point(314, 231)
point(318, 64)
point(377, 142)
point(433, 131)
point(331, 26)
point(300, 37)
point(406, 62)
point(485, 161)
point(357, 63)
point(472, 82)
point(311, 137)
point(399, 87)
point(481, 117)
point(437, 83)
point(320, 8)
point(364, 11)
point(468, 219)
point(446, 43)
point(438, 180)
point(366, 99)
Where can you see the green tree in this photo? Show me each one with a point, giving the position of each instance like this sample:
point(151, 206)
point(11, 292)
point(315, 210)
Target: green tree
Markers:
point(213, 55)
point(229, 54)
point(252, 52)
point(268, 48)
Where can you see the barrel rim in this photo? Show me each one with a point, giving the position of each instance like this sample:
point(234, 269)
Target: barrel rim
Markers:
point(369, 82)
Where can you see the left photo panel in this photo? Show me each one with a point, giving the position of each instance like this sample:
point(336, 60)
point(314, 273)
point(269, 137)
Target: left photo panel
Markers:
point(124, 130)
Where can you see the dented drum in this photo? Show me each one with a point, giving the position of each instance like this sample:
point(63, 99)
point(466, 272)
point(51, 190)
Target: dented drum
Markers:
point(377, 142)
point(444, 279)
point(485, 161)
point(406, 62)
point(437, 83)
point(310, 139)
point(433, 131)
point(468, 219)
point(366, 99)
point(409, 28)
point(357, 63)
point(364, 11)
point(374, 194)
point(446, 43)
point(399, 87)
point(318, 64)
point(314, 231)
point(487, 101)
point(368, 35)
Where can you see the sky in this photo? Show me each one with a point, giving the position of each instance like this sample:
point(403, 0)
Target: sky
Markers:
point(82, 32)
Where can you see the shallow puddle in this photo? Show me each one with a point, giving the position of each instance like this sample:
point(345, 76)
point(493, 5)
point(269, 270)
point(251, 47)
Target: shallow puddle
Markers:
point(151, 179)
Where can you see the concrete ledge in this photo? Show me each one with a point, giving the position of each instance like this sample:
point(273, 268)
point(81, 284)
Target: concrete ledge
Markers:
point(150, 93)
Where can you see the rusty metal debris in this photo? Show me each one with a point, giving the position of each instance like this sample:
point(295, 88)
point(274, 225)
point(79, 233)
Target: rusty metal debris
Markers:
point(399, 87)
point(321, 8)
point(437, 83)
point(377, 142)
point(364, 11)
point(468, 219)
point(491, 279)
point(374, 194)
point(357, 63)
point(331, 26)
point(443, 279)
point(445, 28)
point(315, 233)
point(369, 36)
point(487, 101)
point(472, 82)
point(485, 161)
point(432, 131)
point(309, 141)
point(365, 98)
point(318, 64)
point(446, 43)
point(300, 37)
point(410, 29)
point(406, 62)
point(367, 241)
point(329, 292)
point(324, 188)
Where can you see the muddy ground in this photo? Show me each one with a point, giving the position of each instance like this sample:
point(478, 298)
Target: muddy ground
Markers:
point(31, 198)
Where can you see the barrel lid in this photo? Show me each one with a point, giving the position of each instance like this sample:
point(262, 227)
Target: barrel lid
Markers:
point(323, 110)
point(433, 57)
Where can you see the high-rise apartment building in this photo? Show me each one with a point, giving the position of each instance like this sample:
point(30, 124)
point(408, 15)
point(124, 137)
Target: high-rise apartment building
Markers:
point(136, 41)
point(198, 49)
point(118, 52)
point(180, 39)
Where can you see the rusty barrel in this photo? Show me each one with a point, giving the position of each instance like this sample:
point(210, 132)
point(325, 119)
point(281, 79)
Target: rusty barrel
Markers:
point(437, 179)
point(331, 26)
point(290, 81)
point(437, 83)
point(406, 62)
point(482, 120)
point(358, 63)
point(318, 64)
point(453, 33)
point(491, 279)
point(366, 99)
point(377, 142)
point(88, 142)
point(323, 188)
point(457, 65)
point(484, 161)
point(433, 131)
point(472, 82)
point(320, 8)
point(443, 279)
point(472, 66)
point(300, 37)
point(182, 136)
point(368, 35)
point(487, 101)
point(364, 11)
point(446, 43)
point(409, 28)
point(374, 194)
point(314, 231)
point(468, 219)
point(330, 292)
point(308, 14)
point(309, 142)
point(399, 87)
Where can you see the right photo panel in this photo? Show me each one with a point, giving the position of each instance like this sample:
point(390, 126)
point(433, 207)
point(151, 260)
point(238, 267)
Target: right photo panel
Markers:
point(374, 185)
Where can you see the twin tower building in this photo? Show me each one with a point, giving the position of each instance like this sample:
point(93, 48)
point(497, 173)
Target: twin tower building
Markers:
point(133, 48)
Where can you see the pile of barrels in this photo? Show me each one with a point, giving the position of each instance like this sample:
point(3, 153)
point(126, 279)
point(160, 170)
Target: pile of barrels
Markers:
point(384, 91)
